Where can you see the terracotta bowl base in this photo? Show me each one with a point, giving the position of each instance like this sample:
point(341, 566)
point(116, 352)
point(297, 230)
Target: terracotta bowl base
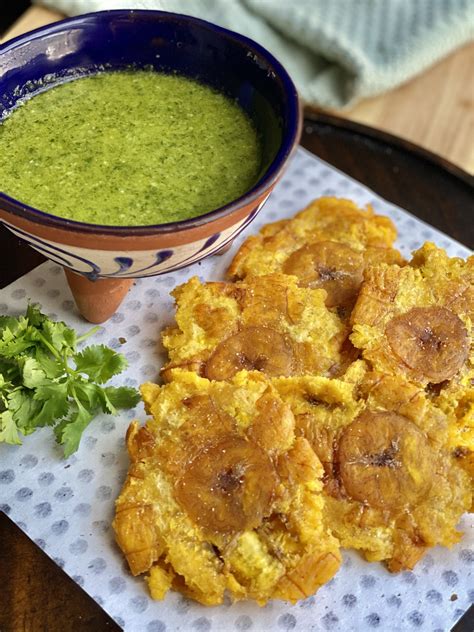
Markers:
point(97, 300)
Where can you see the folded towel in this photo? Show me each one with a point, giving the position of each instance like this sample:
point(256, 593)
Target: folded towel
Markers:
point(337, 51)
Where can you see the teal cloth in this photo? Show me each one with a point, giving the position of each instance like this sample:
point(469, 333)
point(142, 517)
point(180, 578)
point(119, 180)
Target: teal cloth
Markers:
point(337, 51)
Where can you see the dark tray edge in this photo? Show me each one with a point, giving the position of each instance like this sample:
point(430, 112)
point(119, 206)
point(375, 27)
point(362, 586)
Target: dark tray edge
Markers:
point(313, 114)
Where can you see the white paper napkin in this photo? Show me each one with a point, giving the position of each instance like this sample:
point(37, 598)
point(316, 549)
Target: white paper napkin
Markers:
point(67, 507)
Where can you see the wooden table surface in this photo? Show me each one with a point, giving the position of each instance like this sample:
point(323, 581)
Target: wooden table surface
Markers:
point(434, 110)
point(36, 594)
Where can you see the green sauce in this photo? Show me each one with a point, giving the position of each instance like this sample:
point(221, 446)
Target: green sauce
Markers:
point(128, 148)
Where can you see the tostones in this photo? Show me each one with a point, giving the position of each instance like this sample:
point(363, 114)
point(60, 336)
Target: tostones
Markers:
point(327, 245)
point(417, 320)
point(392, 487)
point(265, 323)
point(222, 496)
point(457, 401)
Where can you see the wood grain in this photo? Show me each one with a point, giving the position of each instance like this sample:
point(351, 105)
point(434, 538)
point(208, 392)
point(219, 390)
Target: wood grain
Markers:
point(36, 595)
point(434, 109)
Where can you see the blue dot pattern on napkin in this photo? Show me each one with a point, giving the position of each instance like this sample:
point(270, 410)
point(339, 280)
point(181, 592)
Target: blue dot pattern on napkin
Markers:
point(67, 507)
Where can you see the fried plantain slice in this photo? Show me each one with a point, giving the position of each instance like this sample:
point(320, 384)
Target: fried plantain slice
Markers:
point(336, 268)
point(392, 487)
point(416, 320)
point(270, 325)
point(216, 501)
point(430, 340)
point(252, 348)
point(384, 460)
point(228, 486)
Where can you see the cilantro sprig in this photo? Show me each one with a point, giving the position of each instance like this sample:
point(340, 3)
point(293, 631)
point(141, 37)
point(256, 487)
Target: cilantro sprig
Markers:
point(46, 381)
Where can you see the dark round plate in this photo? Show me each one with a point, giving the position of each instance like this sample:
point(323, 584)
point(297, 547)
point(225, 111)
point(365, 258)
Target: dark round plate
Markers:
point(407, 175)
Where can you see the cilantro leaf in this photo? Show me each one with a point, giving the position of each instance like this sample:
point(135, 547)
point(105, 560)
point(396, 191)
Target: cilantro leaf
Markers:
point(45, 381)
point(16, 338)
point(34, 315)
point(12, 328)
point(11, 371)
point(69, 431)
point(59, 335)
point(99, 362)
point(7, 322)
point(8, 429)
point(33, 374)
point(113, 397)
point(46, 416)
point(88, 394)
point(52, 366)
point(122, 397)
point(24, 409)
point(53, 398)
point(5, 384)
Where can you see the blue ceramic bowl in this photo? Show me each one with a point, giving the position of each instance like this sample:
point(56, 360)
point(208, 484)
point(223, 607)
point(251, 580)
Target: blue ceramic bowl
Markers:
point(167, 42)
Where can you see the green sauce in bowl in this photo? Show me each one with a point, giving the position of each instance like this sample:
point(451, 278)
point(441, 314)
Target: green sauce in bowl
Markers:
point(128, 148)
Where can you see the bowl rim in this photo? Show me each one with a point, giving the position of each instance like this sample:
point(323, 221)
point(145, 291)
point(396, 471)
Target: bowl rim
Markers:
point(288, 144)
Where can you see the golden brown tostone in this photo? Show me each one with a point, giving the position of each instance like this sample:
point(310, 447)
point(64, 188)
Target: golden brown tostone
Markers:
point(392, 486)
point(412, 319)
point(417, 321)
point(263, 473)
point(327, 245)
point(265, 323)
point(221, 495)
